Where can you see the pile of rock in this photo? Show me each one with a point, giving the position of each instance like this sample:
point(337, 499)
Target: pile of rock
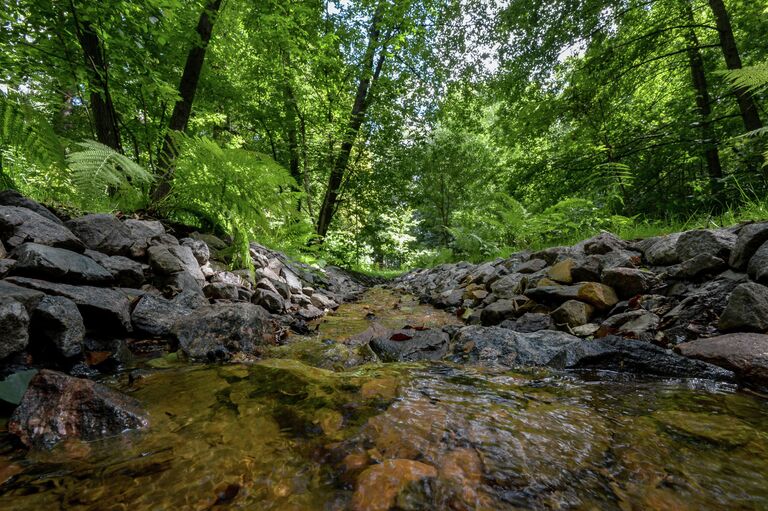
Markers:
point(620, 299)
point(84, 295)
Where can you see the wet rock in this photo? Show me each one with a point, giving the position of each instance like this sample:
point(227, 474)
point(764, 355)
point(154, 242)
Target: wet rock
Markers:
point(21, 225)
point(156, 316)
point(321, 301)
point(29, 298)
point(216, 332)
point(14, 198)
point(411, 345)
point(270, 300)
point(529, 322)
point(14, 327)
point(102, 309)
point(58, 324)
point(629, 282)
point(58, 264)
point(718, 243)
point(627, 355)
point(501, 310)
point(750, 239)
point(573, 313)
point(103, 233)
point(662, 251)
point(221, 291)
point(758, 265)
point(726, 431)
point(56, 407)
point(747, 309)
point(701, 265)
point(199, 249)
point(378, 486)
point(494, 345)
point(125, 272)
point(746, 354)
point(598, 295)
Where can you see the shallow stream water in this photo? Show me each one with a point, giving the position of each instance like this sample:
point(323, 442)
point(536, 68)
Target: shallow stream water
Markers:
point(280, 434)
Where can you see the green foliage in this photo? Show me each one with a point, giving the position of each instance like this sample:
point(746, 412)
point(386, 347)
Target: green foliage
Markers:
point(243, 193)
point(101, 175)
point(753, 78)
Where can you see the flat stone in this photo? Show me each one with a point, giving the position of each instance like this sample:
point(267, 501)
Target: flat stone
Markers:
point(750, 238)
point(14, 327)
point(21, 225)
point(604, 243)
point(172, 259)
point(747, 309)
point(411, 345)
point(221, 291)
point(501, 310)
point(156, 316)
point(746, 354)
point(629, 282)
point(531, 266)
point(29, 298)
point(6, 267)
point(125, 272)
point(701, 265)
point(102, 309)
point(57, 407)
point(598, 295)
point(529, 322)
point(35, 260)
point(561, 272)
point(103, 233)
point(14, 198)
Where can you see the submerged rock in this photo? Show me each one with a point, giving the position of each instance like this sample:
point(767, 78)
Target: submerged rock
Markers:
point(378, 486)
point(56, 407)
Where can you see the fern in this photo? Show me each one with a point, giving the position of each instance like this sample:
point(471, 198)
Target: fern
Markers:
point(102, 175)
point(753, 78)
point(244, 193)
point(24, 129)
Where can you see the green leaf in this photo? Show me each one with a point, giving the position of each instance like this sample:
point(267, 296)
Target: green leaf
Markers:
point(13, 387)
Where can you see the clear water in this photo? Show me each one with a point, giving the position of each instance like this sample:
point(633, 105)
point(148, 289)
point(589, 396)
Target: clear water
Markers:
point(283, 435)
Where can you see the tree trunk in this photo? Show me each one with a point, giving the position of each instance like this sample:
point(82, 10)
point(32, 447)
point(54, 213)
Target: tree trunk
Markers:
point(747, 105)
point(187, 89)
point(369, 74)
point(704, 107)
point(102, 108)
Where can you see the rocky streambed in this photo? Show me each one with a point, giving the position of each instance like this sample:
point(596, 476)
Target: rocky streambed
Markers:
point(608, 375)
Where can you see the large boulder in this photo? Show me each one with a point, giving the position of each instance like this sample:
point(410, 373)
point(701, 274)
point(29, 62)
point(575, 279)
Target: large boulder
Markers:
point(199, 249)
point(627, 355)
point(662, 251)
point(718, 243)
point(216, 332)
point(411, 345)
point(603, 243)
point(530, 322)
point(700, 266)
point(103, 233)
point(270, 300)
point(751, 237)
point(758, 265)
point(747, 309)
point(57, 324)
point(57, 407)
point(35, 260)
point(14, 327)
point(125, 272)
point(501, 310)
point(103, 309)
point(173, 259)
point(14, 198)
point(500, 346)
point(29, 298)
point(156, 316)
point(746, 354)
point(21, 225)
point(573, 313)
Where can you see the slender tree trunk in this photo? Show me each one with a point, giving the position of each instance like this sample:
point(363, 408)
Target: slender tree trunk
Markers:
point(102, 108)
point(747, 105)
point(370, 71)
point(187, 89)
point(704, 107)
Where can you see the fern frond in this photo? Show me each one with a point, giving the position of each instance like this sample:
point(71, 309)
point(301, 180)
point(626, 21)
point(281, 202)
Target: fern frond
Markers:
point(24, 129)
point(753, 78)
point(100, 173)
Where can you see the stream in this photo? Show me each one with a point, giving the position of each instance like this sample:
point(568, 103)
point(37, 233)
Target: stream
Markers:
point(309, 428)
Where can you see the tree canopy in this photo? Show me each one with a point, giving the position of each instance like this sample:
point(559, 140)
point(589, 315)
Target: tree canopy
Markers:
point(388, 132)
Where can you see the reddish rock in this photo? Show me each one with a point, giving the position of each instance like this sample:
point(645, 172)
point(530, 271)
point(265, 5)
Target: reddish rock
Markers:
point(745, 354)
point(379, 485)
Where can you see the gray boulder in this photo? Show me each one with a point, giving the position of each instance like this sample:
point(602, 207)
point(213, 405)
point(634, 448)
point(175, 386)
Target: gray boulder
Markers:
point(501, 310)
point(156, 316)
point(29, 298)
point(103, 233)
point(701, 265)
point(221, 291)
point(411, 345)
point(14, 327)
point(58, 324)
point(573, 313)
point(629, 282)
point(21, 225)
point(35, 260)
point(718, 243)
point(6, 267)
point(57, 407)
point(216, 332)
point(125, 272)
point(529, 322)
point(14, 198)
point(103, 309)
point(661, 251)
point(757, 268)
point(747, 309)
point(750, 238)
point(199, 249)
point(500, 346)
point(745, 354)
point(270, 300)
